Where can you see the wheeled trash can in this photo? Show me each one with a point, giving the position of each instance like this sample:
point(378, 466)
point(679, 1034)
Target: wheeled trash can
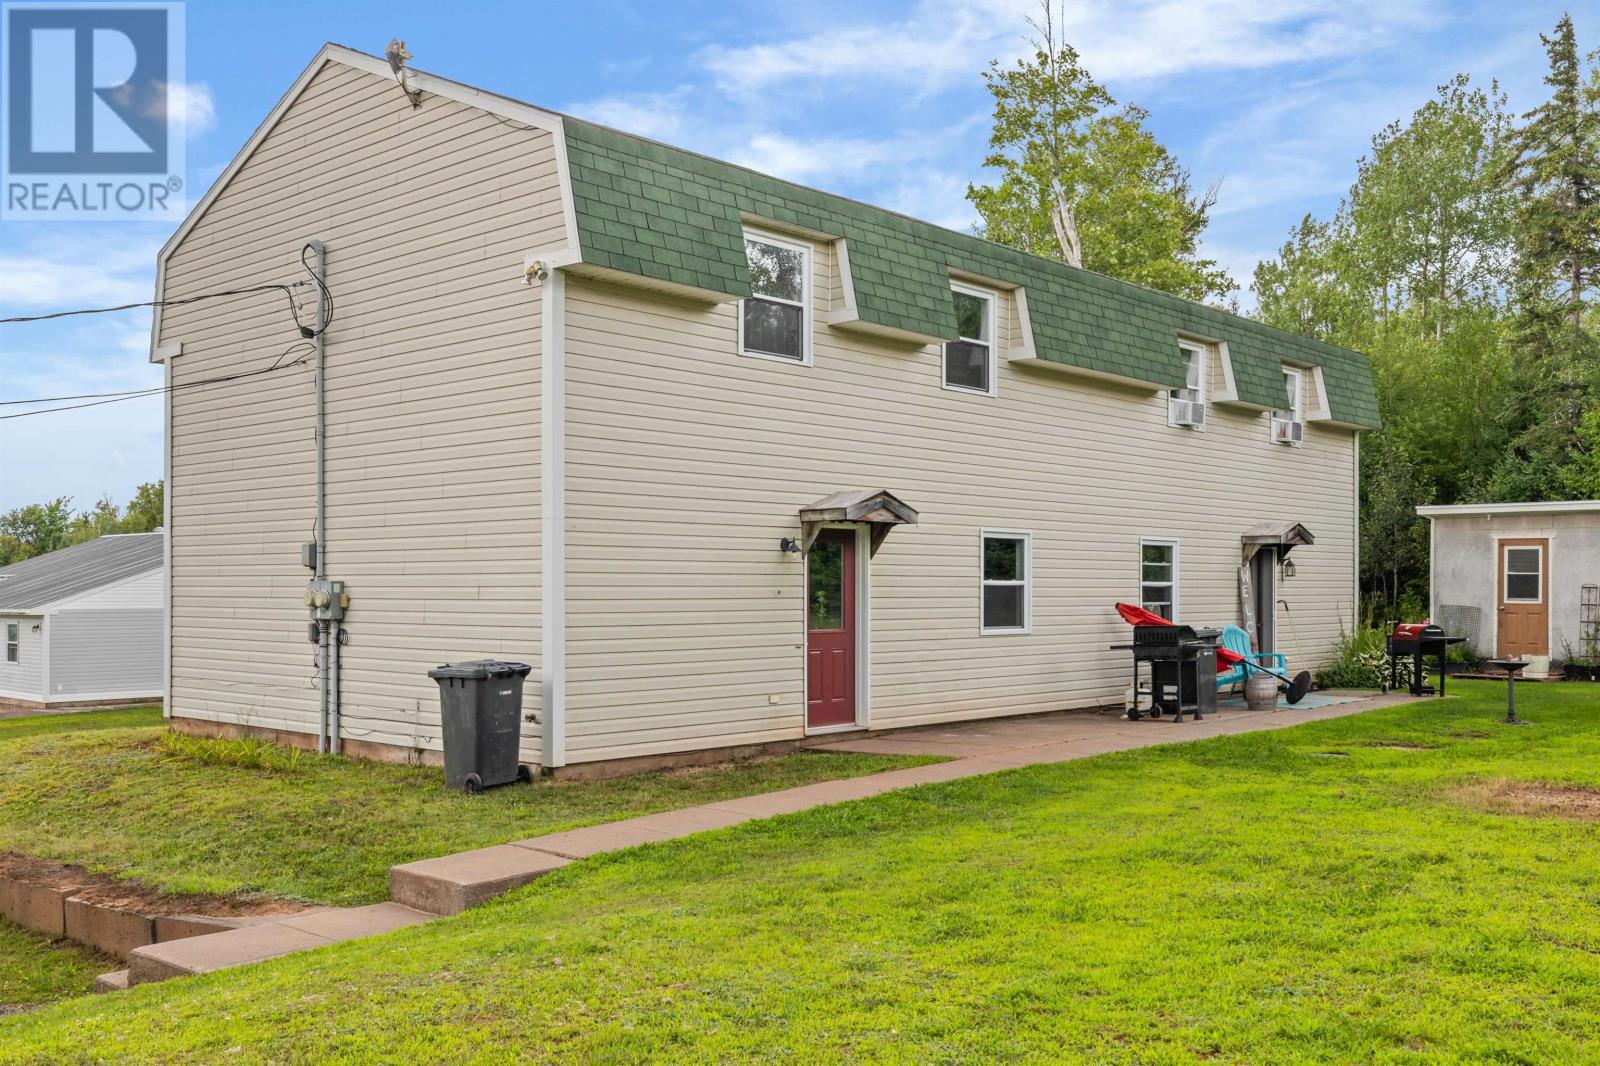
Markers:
point(480, 703)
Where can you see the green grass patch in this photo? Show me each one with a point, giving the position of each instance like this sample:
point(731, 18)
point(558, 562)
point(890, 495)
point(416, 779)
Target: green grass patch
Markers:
point(254, 753)
point(35, 969)
point(107, 790)
point(1237, 900)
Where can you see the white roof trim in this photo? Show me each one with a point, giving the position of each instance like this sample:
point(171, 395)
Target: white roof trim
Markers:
point(1492, 509)
point(429, 84)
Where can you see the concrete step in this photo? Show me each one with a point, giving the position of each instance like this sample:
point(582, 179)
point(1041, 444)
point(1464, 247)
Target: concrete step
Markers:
point(115, 981)
point(266, 940)
point(452, 883)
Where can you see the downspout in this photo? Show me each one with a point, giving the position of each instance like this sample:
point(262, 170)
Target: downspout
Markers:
point(327, 673)
point(552, 514)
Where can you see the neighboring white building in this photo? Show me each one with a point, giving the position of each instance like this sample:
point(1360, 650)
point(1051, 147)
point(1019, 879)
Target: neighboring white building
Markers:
point(84, 625)
point(645, 421)
point(1513, 577)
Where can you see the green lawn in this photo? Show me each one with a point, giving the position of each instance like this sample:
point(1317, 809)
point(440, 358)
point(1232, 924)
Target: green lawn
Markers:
point(1249, 899)
point(36, 969)
point(91, 789)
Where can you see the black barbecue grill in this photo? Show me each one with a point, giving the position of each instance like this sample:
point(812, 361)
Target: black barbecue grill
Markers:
point(1418, 640)
point(1183, 669)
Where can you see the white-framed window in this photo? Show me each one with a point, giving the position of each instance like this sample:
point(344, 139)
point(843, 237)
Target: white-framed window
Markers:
point(11, 642)
point(969, 361)
point(1158, 576)
point(1289, 423)
point(775, 321)
point(1524, 568)
point(1187, 406)
point(1006, 582)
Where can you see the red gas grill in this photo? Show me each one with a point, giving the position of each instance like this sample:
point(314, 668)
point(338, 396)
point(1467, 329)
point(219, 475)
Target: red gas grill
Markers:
point(1418, 640)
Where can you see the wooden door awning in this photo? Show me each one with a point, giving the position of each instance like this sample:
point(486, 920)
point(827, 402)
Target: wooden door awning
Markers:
point(878, 509)
point(1280, 535)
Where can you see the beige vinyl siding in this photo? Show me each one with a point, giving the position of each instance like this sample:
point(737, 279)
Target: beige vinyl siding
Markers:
point(433, 411)
point(686, 464)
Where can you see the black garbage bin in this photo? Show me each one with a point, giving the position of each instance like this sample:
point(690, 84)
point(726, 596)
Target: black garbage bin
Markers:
point(480, 703)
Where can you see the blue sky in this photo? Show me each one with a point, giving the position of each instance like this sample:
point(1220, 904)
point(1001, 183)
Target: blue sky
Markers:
point(881, 101)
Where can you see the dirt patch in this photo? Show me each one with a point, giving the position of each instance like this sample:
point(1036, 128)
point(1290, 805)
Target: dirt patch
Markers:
point(1532, 798)
point(1401, 747)
point(1330, 755)
point(109, 891)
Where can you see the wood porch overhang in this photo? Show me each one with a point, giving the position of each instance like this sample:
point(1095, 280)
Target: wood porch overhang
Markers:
point(878, 509)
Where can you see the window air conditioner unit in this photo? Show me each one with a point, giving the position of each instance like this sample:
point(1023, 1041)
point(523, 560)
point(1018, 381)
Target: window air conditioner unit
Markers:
point(1285, 431)
point(1188, 413)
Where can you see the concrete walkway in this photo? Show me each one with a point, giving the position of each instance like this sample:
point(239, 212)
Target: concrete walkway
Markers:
point(452, 883)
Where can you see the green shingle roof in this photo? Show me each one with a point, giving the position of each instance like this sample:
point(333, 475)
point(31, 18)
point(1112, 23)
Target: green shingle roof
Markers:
point(659, 212)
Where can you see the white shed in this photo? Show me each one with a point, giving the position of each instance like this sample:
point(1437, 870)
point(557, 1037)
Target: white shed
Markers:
point(1520, 580)
point(84, 625)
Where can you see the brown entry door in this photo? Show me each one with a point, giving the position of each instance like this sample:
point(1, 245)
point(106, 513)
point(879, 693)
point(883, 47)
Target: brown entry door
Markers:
point(1524, 598)
point(831, 630)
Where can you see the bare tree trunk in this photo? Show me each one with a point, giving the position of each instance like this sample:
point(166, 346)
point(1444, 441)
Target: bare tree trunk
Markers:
point(1065, 220)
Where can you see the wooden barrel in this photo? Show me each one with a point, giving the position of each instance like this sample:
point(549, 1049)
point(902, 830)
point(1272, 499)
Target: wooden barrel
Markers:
point(1261, 693)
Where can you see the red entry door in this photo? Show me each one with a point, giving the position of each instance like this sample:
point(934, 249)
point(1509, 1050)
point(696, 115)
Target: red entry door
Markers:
point(831, 630)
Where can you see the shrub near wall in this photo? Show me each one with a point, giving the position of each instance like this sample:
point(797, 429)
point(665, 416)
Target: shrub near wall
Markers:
point(1361, 662)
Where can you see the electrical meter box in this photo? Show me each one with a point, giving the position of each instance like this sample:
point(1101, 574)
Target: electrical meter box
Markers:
point(326, 599)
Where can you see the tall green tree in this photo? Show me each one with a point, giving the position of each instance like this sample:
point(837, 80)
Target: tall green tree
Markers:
point(1413, 268)
point(1083, 181)
point(38, 528)
point(1556, 174)
point(1429, 217)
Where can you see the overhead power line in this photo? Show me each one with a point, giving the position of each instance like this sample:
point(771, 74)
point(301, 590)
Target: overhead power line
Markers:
point(287, 290)
point(323, 294)
point(99, 399)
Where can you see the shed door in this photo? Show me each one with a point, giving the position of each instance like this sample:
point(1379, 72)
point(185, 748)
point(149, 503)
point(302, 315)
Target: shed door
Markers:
point(1524, 598)
point(831, 630)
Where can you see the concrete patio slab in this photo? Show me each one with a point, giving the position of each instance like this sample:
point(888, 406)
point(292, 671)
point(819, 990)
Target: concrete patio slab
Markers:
point(452, 883)
point(591, 840)
point(690, 820)
point(115, 981)
point(217, 951)
point(350, 923)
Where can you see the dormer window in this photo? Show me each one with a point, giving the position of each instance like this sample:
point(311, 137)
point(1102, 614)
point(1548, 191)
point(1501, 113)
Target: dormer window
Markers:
point(969, 360)
point(1289, 423)
point(775, 321)
point(1187, 406)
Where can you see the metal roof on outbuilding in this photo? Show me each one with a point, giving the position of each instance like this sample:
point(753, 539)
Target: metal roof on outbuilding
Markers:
point(44, 579)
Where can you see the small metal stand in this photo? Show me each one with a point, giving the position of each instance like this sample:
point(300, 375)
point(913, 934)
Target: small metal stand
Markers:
point(1511, 667)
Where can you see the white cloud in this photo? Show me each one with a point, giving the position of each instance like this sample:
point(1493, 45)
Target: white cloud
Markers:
point(76, 272)
point(192, 104)
point(687, 119)
point(943, 41)
point(657, 115)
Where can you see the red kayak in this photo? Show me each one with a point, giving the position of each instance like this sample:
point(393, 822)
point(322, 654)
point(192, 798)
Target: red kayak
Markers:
point(1138, 616)
point(1294, 688)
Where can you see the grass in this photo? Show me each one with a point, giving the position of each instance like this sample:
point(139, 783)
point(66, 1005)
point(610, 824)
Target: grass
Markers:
point(35, 969)
point(103, 790)
point(1239, 900)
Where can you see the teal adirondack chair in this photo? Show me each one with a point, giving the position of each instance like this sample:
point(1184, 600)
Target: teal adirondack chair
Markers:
point(1237, 640)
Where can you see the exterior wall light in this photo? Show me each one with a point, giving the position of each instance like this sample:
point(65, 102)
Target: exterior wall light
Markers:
point(1288, 569)
point(789, 544)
